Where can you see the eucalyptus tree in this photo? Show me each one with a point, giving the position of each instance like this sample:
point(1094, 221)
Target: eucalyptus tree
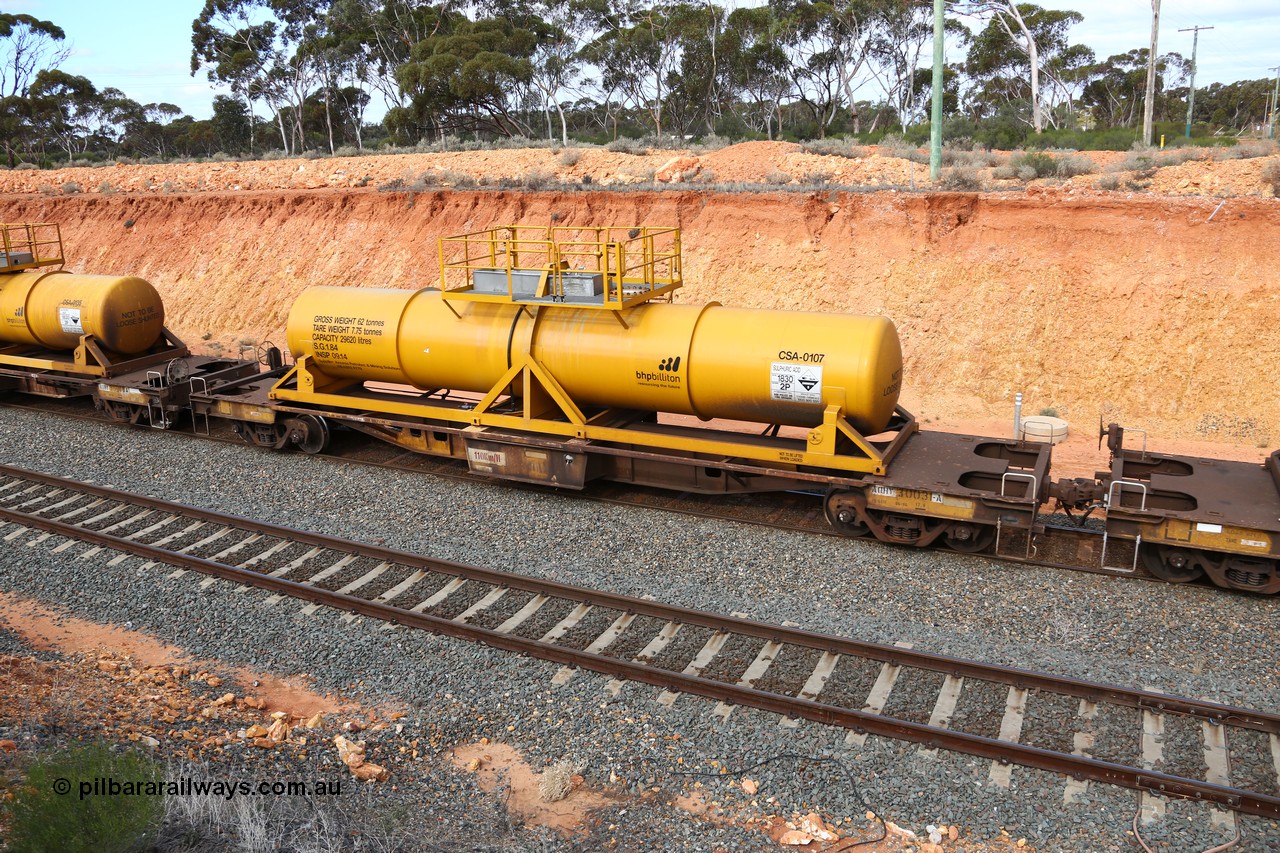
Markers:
point(28, 46)
point(234, 43)
point(758, 67)
point(467, 75)
point(1020, 42)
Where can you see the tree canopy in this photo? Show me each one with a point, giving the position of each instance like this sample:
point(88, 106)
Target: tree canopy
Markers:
point(302, 74)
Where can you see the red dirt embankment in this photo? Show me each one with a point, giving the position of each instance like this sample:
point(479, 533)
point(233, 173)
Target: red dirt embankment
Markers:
point(1140, 308)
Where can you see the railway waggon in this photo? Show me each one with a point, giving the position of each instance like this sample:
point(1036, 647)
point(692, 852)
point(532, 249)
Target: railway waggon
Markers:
point(557, 356)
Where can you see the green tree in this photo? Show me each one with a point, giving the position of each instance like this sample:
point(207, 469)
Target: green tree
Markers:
point(463, 77)
point(757, 66)
point(235, 46)
point(1020, 42)
point(28, 46)
point(232, 127)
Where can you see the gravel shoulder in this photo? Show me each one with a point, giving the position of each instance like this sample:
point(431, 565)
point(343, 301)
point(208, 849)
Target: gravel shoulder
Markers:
point(1195, 642)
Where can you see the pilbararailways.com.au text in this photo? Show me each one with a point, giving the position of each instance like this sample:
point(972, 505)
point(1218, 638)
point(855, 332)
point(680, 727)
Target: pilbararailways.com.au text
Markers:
point(227, 789)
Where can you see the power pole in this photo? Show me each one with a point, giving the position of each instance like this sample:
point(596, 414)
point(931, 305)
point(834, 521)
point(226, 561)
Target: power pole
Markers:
point(1191, 95)
point(1148, 105)
point(1275, 105)
point(935, 129)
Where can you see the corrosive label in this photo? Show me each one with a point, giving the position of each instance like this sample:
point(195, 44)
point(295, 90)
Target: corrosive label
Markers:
point(795, 383)
point(69, 319)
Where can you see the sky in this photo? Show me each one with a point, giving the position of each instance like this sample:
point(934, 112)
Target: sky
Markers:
point(144, 48)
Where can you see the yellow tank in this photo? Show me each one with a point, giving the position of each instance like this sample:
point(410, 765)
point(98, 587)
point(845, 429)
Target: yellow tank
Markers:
point(52, 309)
point(770, 367)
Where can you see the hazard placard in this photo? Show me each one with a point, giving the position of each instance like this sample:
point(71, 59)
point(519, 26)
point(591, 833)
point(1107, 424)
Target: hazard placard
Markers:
point(795, 383)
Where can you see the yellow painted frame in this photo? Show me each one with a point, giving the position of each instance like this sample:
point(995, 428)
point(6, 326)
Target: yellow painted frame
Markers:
point(543, 396)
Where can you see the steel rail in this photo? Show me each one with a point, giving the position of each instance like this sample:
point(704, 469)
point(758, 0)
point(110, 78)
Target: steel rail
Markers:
point(960, 667)
point(1246, 802)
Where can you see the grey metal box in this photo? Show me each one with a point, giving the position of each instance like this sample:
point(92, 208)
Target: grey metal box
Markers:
point(582, 284)
point(523, 282)
point(13, 259)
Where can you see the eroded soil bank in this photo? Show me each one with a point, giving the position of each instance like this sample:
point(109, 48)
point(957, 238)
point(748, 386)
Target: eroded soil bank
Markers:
point(1157, 312)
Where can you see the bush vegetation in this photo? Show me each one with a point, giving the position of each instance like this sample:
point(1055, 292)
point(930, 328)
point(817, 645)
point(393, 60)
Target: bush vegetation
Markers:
point(42, 819)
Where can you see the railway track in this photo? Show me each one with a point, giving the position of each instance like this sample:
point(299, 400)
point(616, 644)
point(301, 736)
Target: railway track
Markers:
point(939, 702)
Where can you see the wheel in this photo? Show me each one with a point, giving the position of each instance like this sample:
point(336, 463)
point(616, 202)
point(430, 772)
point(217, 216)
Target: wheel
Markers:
point(969, 538)
point(842, 518)
point(1175, 565)
point(309, 433)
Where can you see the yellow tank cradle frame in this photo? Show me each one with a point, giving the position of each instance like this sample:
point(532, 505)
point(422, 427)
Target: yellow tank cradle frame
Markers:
point(25, 246)
point(540, 404)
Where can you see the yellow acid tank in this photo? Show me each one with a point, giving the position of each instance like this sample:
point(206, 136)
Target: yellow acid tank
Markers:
point(774, 367)
point(53, 309)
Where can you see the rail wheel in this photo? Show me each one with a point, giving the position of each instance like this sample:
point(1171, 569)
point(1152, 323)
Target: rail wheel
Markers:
point(969, 538)
point(841, 516)
point(309, 433)
point(1175, 565)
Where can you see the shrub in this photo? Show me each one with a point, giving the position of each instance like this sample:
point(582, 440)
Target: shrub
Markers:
point(626, 145)
point(712, 142)
point(71, 188)
point(835, 148)
point(816, 178)
point(1271, 175)
point(392, 186)
point(1071, 165)
point(901, 148)
point(961, 178)
point(220, 157)
point(1109, 182)
point(1004, 173)
point(107, 188)
point(312, 155)
point(171, 187)
point(976, 159)
point(536, 179)
point(42, 819)
point(26, 167)
point(1040, 165)
point(347, 151)
point(570, 157)
point(1253, 148)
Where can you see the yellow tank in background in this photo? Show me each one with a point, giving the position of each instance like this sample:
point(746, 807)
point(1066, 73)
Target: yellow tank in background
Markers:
point(54, 308)
point(770, 367)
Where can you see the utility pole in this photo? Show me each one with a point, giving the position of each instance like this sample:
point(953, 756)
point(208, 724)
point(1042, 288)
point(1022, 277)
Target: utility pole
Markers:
point(1148, 106)
point(1275, 105)
point(1191, 95)
point(935, 118)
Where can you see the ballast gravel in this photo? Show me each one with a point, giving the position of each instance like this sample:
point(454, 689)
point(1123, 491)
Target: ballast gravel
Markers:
point(1191, 641)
